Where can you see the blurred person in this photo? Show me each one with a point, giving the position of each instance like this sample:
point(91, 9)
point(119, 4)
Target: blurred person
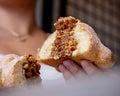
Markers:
point(19, 33)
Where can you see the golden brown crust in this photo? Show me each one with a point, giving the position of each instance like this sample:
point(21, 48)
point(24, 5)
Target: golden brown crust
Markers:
point(88, 46)
point(15, 73)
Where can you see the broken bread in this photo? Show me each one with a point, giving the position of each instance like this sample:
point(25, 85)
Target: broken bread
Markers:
point(18, 70)
point(74, 40)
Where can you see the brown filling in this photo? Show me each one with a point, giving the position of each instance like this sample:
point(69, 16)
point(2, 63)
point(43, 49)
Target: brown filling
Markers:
point(64, 43)
point(31, 66)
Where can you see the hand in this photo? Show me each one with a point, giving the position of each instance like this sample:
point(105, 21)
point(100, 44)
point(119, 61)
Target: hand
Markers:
point(72, 70)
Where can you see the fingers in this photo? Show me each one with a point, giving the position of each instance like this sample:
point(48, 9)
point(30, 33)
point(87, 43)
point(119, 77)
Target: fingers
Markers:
point(71, 66)
point(67, 75)
point(89, 67)
point(71, 69)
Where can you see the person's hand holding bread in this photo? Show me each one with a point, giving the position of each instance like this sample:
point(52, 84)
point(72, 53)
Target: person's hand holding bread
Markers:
point(74, 48)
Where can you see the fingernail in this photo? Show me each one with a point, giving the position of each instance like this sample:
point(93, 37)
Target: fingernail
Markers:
point(67, 63)
point(85, 63)
point(89, 68)
point(62, 68)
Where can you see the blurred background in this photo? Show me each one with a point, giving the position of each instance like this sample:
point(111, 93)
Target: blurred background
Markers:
point(102, 15)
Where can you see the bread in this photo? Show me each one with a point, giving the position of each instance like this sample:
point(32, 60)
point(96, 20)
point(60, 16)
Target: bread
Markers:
point(17, 70)
point(74, 40)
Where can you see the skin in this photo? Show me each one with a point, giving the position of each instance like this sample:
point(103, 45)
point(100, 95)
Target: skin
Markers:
point(75, 72)
point(17, 17)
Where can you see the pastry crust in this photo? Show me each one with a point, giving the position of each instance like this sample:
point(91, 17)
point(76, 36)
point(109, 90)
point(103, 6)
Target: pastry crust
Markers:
point(15, 69)
point(71, 32)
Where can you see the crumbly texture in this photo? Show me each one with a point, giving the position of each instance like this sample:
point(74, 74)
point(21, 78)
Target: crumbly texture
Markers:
point(17, 71)
point(31, 66)
point(86, 45)
point(64, 43)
